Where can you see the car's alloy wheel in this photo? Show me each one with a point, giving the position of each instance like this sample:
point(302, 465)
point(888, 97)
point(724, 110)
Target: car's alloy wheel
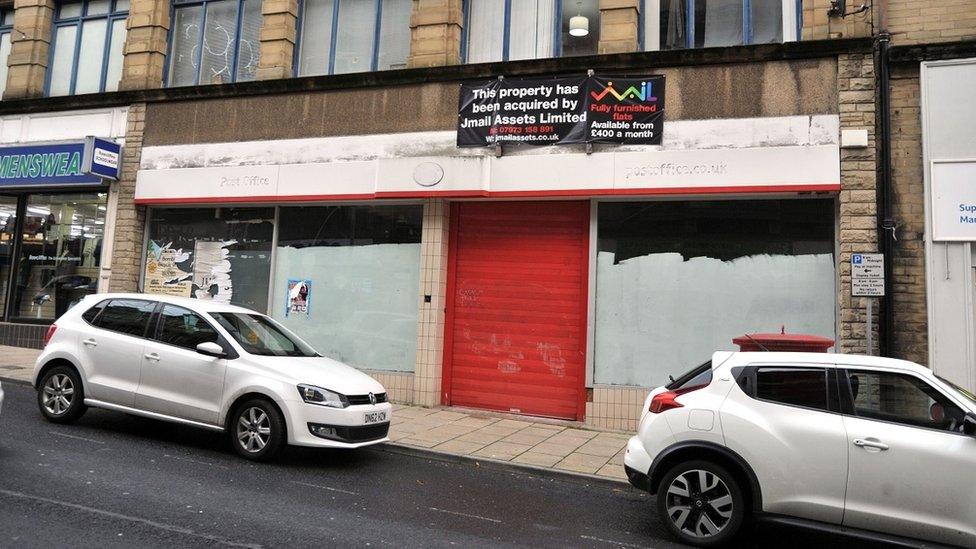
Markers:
point(253, 429)
point(257, 429)
point(699, 503)
point(61, 396)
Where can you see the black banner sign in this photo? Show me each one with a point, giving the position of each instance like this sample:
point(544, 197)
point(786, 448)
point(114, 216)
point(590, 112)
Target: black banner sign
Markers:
point(554, 111)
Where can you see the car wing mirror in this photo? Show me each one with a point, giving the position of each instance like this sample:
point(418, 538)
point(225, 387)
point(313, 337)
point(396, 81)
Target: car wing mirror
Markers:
point(969, 424)
point(210, 348)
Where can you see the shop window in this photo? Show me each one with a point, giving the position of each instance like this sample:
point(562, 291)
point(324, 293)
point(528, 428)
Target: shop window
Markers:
point(6, 26)
point(8, 233)
point(677, 24)
point(343, 36)
point(86, 50)
point(676, 281)
point(507, 30)
point(346, 281)
point(60, 253)
point(223, 254)
point(214, 41)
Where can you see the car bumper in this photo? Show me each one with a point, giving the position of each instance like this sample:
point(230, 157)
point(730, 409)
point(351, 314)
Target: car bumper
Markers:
point(637, 463)
point(336, 427)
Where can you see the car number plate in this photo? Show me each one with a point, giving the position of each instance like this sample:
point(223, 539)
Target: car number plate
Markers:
point(374, 417)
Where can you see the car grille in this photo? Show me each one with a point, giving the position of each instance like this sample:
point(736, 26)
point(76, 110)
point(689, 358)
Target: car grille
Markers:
point(362, 433)
point(355, 400)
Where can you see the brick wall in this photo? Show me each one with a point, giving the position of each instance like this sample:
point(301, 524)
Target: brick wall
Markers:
point(911, 326)
point(817, 25)
point(129, 219)
point(914, 21)
point(858, 198)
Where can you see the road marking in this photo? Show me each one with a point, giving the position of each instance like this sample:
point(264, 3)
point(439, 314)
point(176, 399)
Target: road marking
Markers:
point(464, 515)
point(147, 522)
point(66, 435)
point(611, 542)
point(329, 488)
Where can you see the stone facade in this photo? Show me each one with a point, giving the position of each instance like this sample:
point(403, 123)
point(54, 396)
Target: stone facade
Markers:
point(30, 48)
point(130, 220)
point(435, 33)
point(931, 21)
point(908, 210)
point(278, 38)
point(858, 197)
point(145, 45)
point(619, 25)
point(818, 25)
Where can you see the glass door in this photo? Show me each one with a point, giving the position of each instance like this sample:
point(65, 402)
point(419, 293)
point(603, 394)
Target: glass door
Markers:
point(8, 232)
point(60, 253)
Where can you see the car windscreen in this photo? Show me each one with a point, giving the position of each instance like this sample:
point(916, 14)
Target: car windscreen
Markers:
point(968, 395)
point(696, 377)
point(259, 335)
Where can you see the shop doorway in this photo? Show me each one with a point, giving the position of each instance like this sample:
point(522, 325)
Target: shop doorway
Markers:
point(515, 337)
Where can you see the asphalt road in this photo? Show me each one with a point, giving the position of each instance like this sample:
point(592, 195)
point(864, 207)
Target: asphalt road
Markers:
point(113, 480)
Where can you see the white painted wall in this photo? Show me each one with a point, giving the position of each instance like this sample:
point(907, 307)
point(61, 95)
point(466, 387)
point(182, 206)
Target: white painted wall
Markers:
point(948, 122)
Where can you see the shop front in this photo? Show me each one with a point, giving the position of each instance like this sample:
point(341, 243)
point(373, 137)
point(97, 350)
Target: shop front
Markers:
point(53, 215)
point(546, 281)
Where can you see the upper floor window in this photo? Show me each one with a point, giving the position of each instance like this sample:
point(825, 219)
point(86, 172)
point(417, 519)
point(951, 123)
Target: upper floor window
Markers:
point(86, 50)
point(507, 30)
point(6, 25)
point(676, 24)
point(214, 41)
point(343, 36)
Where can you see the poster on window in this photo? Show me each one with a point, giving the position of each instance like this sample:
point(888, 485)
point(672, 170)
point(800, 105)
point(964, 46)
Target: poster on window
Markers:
point(298, 297)
point(163, 273)
point(212, 269)
point(561, 111)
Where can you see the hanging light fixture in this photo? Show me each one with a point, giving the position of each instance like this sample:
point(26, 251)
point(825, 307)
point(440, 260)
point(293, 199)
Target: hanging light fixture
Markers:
point(579, 25)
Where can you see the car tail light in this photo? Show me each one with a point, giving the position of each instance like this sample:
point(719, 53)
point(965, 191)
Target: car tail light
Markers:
point(50, 333)
point(666, 400)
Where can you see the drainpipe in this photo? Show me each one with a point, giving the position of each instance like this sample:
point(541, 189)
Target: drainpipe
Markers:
point(885, 219)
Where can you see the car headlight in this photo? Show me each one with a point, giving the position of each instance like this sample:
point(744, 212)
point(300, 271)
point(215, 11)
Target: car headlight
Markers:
point(322, 397)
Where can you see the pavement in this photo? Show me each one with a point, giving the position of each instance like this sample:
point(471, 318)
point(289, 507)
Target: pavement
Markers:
point(562, 446)
point(116, 480)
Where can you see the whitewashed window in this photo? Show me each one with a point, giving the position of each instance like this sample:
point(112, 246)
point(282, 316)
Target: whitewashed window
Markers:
point(362, 267)
point(676, 281)
point(86, 51)
point(509, 30)
point(214, 42)
point(346, 36)
point(678, 24)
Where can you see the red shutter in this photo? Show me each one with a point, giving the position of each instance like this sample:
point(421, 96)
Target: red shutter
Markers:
point(516, 322)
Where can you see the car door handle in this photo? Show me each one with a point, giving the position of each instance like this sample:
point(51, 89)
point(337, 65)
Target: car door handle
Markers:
point(867, 443)
point(90, 342)
point(152, 356)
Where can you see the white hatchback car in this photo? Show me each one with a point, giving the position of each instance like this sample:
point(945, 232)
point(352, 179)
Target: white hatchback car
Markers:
point(208, 365)
point(837, 442)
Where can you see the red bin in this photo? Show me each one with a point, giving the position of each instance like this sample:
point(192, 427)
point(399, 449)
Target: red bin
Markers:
point(801, 343)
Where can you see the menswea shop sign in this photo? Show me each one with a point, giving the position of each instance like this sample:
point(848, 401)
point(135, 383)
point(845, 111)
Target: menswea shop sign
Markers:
point(550, 111)
point(77, 163)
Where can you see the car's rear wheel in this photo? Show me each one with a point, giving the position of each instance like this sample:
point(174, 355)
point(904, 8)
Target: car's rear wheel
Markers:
point(60, 396)
point(257, 430)
point(701, 503)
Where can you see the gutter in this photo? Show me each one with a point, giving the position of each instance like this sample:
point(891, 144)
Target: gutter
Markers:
point(886, 222)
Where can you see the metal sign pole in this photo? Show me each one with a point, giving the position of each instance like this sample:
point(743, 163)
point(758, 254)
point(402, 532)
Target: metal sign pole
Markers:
point(870, 328)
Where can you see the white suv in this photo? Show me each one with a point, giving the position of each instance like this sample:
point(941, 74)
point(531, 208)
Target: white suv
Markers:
point(877, 445)
point(209, 365)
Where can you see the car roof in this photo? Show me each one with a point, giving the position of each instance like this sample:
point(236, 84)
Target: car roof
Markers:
point(200, 305)
point(826, 359)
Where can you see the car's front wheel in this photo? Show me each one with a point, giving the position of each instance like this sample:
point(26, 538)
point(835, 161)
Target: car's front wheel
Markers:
point(701, 503)
point(257, 430)
point(61, 396)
